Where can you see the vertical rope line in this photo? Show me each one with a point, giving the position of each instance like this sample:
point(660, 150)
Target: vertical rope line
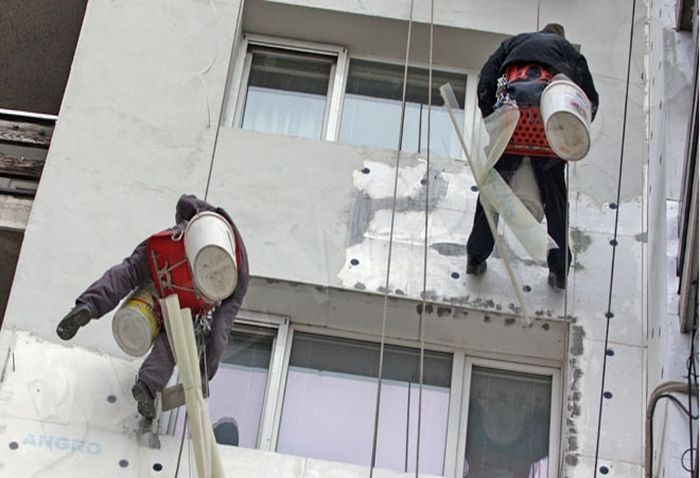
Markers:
point(567, 226)
point(223, 99)
point(373, 460)
point(421, 325)
point(538, 14)
point(182, 441)
point(609, 314)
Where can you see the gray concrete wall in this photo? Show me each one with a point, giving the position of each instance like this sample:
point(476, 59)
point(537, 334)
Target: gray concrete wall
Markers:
point(670, 96)
point(136, 130)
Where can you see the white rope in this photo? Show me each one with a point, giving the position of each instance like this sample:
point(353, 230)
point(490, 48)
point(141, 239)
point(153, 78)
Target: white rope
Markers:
point(373, 460)
point(421, 325)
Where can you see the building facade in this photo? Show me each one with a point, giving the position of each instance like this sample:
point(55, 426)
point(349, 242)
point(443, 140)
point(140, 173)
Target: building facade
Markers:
point(287, 114)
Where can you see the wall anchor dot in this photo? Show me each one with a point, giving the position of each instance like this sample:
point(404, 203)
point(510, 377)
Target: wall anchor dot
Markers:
point(608, 395)
point(612, 205)
point(613, 242)
point(527, 288)
point(604, 470)
point(14, 445)
point(474, 188)
point(609, 315)
point(354, 262)
point(123, 463)
point(365, 170)
point(422, 181)
point(455, 275)
point(157, 467)
point(610, 352)
point(111, 398)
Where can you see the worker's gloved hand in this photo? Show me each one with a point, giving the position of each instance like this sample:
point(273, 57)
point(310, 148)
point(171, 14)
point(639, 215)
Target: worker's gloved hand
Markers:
point(76, 318)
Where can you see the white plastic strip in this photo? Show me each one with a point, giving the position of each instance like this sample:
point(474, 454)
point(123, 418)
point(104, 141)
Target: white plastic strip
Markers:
point(451, 103)
point(206, 453)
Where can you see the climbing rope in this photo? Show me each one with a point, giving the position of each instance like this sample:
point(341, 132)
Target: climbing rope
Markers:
point(373, 460)
point(421, 325)
point(609, 314)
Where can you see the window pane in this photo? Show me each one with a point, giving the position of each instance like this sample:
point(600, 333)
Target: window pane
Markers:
point(372, 108)
point(287, 92)
point(329, 404)
point(237, 390)
point(508, 430)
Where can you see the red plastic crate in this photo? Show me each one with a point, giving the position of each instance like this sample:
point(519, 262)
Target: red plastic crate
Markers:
point(529, 138)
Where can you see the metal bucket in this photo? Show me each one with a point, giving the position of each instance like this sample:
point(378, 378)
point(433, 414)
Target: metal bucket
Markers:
point(210, 247)
point(137, 322)
point(566, 113)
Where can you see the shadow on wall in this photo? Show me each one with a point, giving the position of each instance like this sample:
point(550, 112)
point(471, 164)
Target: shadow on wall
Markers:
point(10, 243)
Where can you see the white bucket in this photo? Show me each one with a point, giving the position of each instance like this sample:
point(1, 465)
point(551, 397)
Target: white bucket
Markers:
point(566, 113)
point(210, 247)
point(137, 322)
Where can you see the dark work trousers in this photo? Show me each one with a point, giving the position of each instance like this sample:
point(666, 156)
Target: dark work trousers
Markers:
point(549, 174)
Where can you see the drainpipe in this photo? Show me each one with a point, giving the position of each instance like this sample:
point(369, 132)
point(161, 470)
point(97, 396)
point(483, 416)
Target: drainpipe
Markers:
point(661, 389)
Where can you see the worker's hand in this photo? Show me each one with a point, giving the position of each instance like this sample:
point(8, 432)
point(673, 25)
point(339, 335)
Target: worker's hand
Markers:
point(76, 318)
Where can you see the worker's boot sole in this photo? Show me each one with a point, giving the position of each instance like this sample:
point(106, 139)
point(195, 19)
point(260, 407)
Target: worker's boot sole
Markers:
point(146, 403)
point(474, 267)
point(76, 318)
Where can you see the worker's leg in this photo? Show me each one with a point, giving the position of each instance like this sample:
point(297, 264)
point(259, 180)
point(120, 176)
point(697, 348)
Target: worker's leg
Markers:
point(158, 367)
point(550, 179)
point(480, 242)
point(217, 341)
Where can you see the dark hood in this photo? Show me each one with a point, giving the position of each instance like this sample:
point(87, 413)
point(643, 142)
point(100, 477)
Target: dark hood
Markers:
point(188, 206)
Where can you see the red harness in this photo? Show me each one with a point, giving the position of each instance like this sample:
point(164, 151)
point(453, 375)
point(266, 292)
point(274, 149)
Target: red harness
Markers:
point(529, 138)
point(171, 273)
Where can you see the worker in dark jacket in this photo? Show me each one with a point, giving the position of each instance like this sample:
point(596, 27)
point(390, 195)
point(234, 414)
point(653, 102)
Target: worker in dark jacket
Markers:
point(529, 60)
point(118, 281)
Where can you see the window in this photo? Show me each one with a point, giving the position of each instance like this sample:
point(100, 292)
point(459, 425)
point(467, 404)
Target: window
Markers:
point(298, 88)
point(508, 431)
point(372, 108)
point(237, 391)
point(329, 404)
point(287, 92)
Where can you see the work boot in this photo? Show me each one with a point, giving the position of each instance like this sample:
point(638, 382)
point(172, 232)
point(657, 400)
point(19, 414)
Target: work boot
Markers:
point(557, 280)
point(474, 266)
point(76, 318)
point(144, 399)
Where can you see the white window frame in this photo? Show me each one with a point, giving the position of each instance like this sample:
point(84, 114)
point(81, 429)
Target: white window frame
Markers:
point(274, 387)
point(471, 81)
point(241, 71)
point(554, 416)
point(460, 385)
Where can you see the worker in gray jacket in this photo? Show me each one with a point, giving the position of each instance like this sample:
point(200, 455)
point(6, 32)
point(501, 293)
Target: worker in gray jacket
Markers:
point(118, 281)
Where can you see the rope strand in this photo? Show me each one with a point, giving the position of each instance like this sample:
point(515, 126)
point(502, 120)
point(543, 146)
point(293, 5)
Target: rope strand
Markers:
point(421, 325)
point(609, 314)
point(373, 460)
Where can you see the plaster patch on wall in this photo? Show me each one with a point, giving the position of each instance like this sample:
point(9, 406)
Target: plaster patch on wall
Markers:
point(580, 241)
point(573, 396)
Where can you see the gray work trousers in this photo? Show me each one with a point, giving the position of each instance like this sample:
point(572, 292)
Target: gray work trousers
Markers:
point(156, 370)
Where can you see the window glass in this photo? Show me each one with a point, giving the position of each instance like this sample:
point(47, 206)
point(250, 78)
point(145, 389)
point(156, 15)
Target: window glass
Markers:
point(508, 429)
point(237, 391)
point(372, 108)
point(286, 92)
point(330, 398)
